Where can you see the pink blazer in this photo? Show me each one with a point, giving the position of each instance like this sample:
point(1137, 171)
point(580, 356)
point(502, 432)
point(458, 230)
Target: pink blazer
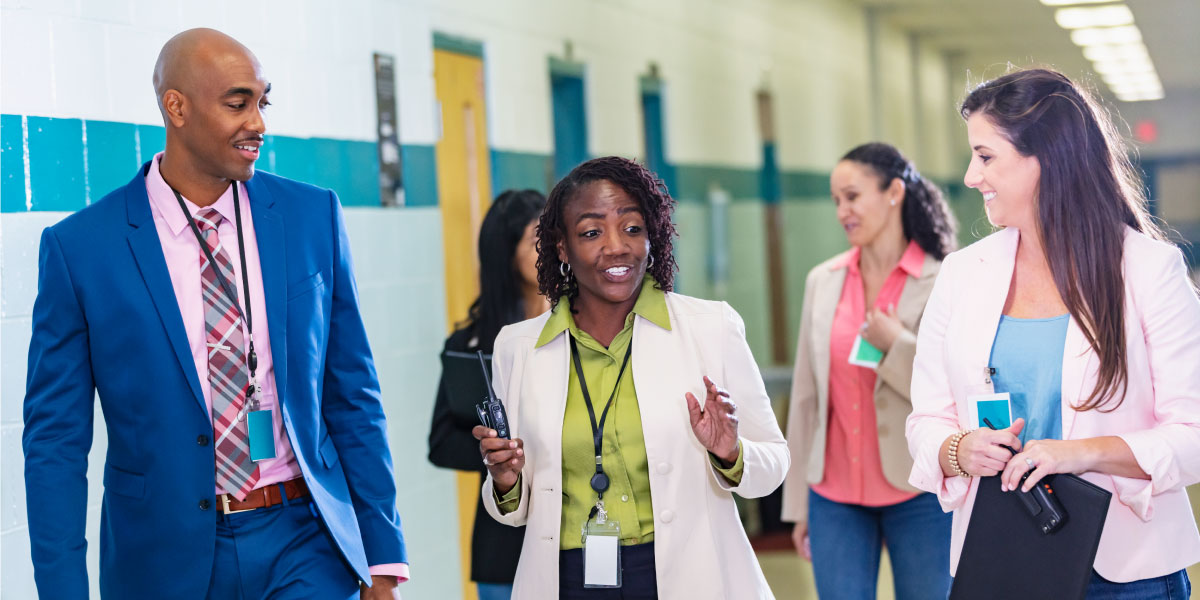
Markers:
point(1150, 530)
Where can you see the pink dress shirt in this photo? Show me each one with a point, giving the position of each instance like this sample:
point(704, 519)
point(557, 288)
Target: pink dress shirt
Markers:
point(182, 252)
point(853, 470)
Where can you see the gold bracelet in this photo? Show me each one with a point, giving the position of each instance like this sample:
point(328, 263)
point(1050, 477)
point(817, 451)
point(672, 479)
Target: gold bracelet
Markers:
point(954, 440)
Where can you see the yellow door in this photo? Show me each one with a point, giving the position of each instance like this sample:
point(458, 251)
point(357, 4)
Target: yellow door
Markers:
point(464, 194)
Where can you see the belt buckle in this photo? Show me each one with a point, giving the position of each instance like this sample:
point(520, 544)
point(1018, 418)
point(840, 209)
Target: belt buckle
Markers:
point(225, 506)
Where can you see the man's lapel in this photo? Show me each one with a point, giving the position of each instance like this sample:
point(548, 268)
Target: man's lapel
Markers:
point(147, 251)
point(268, 227)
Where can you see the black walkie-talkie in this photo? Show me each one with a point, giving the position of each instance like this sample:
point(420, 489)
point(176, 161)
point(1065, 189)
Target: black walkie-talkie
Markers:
point(1047, 512)
point(491, 410)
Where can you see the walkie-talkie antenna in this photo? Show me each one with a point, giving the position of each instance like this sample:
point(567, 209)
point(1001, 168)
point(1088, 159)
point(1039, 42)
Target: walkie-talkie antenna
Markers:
point(486, 378)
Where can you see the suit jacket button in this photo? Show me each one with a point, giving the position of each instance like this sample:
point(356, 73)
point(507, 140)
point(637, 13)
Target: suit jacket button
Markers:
point(205, 504)
point(664, 468)
point(667, 516)
point(202, 440)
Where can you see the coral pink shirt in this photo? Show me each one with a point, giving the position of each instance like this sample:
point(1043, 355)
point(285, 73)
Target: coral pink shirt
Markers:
point(853, 470)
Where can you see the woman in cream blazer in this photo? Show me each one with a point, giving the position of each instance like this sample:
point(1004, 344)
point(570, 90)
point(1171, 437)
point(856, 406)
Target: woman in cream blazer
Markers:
point(1043, 148)
point(899, 226)
point(699, 548)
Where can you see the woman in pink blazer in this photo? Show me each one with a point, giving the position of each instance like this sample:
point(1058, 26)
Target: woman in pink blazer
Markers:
point(1079, 312)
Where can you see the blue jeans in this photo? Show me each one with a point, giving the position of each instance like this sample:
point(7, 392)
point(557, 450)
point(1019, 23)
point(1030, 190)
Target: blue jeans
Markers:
point(1175, 586)
point(847, 540)
point(494, 591)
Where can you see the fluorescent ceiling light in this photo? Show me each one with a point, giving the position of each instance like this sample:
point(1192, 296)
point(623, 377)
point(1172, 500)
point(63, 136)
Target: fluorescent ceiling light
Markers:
point(1126, 34)
point(1112, 15)
point(1135, 88)
point(1072, 2)
point(1110, 67)
point(1140, 96)
point(1132, 79)
point(1115, 52)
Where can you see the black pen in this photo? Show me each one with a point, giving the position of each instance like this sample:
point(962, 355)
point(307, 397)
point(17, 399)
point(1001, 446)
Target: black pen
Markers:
point(993, 428)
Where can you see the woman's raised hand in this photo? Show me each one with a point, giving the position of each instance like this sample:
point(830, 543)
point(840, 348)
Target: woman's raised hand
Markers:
point(715, 425)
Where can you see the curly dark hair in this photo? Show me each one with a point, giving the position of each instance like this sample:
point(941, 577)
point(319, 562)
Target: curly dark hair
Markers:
point(646, 188)
point(926, 215)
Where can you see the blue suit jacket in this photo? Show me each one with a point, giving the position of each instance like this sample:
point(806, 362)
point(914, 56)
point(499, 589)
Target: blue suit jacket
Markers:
point(106, 320)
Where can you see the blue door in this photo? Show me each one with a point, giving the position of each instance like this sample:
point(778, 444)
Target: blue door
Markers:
point(570, 122)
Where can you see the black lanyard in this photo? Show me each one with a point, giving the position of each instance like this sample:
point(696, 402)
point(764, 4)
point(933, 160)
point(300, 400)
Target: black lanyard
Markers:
point(599, 480)
point(251, 357)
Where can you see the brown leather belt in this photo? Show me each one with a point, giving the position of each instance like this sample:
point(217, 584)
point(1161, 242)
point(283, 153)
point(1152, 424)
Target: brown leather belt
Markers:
point(263, 497)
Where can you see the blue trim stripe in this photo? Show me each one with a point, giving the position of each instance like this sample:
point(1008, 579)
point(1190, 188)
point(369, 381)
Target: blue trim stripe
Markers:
point(66, 175)
point(521, 170)
point(12, 164)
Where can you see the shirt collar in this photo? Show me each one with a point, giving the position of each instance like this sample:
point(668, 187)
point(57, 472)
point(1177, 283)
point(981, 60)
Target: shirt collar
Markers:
point(912, 262)
point(162, 198)
point(650, 305)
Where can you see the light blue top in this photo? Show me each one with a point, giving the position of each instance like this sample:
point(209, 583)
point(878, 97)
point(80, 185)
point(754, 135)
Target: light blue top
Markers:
point(1027, 355)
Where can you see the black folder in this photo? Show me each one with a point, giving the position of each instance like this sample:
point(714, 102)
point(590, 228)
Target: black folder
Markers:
point(464, 382)
point(1005, 555)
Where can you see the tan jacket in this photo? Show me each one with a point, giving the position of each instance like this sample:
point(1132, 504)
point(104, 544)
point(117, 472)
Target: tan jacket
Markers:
point(808, 415)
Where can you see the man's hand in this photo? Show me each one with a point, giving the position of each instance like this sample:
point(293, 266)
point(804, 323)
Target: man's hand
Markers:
point(383, 587)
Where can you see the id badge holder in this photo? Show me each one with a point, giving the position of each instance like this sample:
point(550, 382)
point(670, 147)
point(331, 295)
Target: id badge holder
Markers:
point(260, 427)
point(601, 552)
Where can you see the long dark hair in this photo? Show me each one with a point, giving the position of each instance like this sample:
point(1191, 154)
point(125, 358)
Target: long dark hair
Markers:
point(1088, 193)
point(500, 302)
point(926, 216)
point(643, 186)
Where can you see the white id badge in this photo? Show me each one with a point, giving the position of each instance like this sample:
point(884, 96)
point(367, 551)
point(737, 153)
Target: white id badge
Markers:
point(601, 554)
point(996, 408)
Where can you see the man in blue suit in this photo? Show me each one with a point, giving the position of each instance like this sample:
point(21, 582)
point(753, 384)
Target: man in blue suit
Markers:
point(215, 313)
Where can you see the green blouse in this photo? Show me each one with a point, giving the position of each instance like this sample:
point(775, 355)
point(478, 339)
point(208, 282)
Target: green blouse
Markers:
point(627, 500)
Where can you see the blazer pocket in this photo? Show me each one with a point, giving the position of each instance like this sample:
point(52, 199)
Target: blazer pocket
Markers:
point(124, 483)
point(329, 454)
point(305, 285)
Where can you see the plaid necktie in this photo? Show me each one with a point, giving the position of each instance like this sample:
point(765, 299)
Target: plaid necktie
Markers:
point(227, 373)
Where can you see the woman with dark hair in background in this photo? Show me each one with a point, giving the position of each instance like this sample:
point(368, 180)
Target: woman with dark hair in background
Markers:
point(847, 490)
point(1084, 318)
point(604, 396)
point(508, 293)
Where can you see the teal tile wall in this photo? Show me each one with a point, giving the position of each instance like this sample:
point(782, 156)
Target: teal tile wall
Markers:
point(693, 182)
point(520, 170)
point(151, 139)
point(12, 164)
point(420, 175)
point(66, 175)
point(57, 176)
point(112, 156)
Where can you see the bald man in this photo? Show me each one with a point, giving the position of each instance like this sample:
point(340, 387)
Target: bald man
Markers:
point(214, 312)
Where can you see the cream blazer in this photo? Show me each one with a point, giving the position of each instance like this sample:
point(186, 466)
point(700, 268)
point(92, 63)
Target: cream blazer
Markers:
point(808, 415)
point(1150, 530)
point(700, 548)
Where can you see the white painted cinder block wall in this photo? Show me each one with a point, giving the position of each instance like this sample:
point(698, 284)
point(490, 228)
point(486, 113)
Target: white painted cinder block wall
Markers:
point(92, 59)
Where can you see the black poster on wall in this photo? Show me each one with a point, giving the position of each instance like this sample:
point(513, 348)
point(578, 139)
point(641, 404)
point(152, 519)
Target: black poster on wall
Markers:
point(391, 181)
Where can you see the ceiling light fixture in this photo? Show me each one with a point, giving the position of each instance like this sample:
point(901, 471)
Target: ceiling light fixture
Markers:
point(1093, 36)
point(1112, 15)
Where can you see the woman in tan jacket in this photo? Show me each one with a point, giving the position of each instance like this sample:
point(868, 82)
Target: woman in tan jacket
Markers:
point(847, 489)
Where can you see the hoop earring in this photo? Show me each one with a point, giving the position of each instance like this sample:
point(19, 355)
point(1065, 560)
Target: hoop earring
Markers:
point(651, 265)
point(564, 269)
